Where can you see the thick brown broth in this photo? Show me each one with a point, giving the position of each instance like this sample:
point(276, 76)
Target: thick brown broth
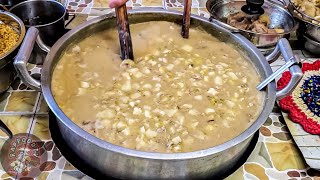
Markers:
point(180, 95)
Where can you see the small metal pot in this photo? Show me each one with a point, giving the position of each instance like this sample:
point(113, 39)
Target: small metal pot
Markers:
point(279, 16)
point(312, 31)
point(7, 72)
point(48, 16)
point(124, 163)
point(16, 23)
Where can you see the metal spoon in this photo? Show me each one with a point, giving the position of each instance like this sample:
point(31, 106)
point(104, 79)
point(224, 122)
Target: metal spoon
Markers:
point(124, 33)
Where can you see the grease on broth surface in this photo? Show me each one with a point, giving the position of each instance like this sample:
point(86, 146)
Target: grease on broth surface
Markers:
point(180, 95)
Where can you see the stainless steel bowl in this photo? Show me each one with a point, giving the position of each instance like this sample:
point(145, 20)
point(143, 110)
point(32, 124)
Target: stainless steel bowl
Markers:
point(312, 46)
point(297, 13)
point(312, 31)
point(16, 23)
point(125, 163)
point(7, 72)
point(308, 32)
point(279, 16)
point(309, 44)
point(307, 25)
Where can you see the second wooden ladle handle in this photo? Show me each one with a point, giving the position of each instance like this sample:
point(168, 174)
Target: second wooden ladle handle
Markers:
point(124, 33)
point(186, 19)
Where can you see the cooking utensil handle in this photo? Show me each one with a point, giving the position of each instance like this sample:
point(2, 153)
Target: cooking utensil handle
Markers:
point(292, 61)
point(186, 19)
point(124, 33)
point(5, 129)
point(224, 25)
point(23, 56)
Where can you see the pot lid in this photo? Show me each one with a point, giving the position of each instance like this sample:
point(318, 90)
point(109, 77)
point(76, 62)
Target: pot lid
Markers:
point(253, 7)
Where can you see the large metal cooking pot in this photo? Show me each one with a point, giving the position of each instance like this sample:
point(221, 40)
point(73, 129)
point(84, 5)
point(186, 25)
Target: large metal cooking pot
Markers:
point(279, 17)
point(121, 162)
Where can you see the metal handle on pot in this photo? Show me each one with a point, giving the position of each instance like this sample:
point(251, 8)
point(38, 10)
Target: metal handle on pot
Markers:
point(5, 129)
point(23, 56)
point(292, 61)
point(42, 45)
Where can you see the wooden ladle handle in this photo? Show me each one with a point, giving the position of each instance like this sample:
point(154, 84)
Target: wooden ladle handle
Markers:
point(186, 19)
point(124, 33)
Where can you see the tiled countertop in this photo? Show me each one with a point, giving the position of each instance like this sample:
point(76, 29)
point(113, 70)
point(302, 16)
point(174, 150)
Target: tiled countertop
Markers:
point(275, 156)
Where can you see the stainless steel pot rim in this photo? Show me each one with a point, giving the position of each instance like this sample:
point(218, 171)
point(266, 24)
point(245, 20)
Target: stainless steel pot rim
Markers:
point(306, 21)
point(312, 41)
point(46, 89)
point(295, 24)
point(43, 25)
point(21, 35)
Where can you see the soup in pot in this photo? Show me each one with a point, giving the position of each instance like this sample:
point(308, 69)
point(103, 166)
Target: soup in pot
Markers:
point(179, 95)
